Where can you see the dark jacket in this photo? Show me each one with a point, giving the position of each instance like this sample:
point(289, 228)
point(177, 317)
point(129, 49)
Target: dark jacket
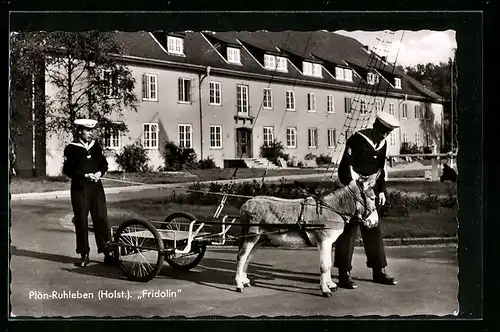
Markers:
point(80, 160)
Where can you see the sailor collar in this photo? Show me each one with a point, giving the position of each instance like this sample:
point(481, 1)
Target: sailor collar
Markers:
point(380, 145)
point(86, 146)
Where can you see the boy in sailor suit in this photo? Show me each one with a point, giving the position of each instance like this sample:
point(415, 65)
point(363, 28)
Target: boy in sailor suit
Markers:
point(85, 164)
point(365, 154)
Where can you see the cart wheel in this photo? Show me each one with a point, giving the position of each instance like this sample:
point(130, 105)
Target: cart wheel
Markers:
point(139, 249)
point(180, 221)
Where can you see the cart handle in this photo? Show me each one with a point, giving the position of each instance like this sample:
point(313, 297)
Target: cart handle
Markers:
point(224, 231)
point(191, 235)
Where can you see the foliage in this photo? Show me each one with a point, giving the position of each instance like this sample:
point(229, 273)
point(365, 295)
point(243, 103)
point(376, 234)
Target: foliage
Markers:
point(208, 163)
point(88, 81)
point(309, 156)
point(323, 159)
point(133, 158)
point(273, 151)
point(179, 158)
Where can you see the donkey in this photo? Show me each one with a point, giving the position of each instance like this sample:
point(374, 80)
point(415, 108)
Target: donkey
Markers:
point(263, 215)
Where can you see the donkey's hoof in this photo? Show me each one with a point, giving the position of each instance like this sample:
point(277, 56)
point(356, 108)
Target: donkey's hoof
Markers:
point(327, 294)
point(247, 284)
point(333, 288)
point(239, 289)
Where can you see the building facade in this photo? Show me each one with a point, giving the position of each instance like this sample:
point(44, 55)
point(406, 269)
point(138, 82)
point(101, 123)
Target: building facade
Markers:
point(227, 94)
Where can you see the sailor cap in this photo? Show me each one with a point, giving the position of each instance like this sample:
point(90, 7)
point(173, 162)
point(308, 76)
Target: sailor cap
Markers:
point(387, 120)
point(87, 123)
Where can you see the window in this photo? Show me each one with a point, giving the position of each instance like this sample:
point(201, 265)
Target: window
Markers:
point(311, 102)
point(268, 98)
point(405, 111)
point(184, 90)
point(417, 112)
point(215, 137)
point(268, 135)
point(332, 142)
point(417, 139)
point(311, 69)
point(175, 45)
point(281, 64)
point(378, 105)
point(372, 78)
point(215, 93)
point(363, 108)
point(242, 99)
point(149, 87)
point(290, 100)
point(330, 107)
point(312, 140)
point(397, 83)
point(233, 55)
point(273, 62)
point(348, 75)
point(391, 109)
point(347, 105)
point(150, 136)
point(185, 136)
point(112, 138)
point(316, 70)
point(405, 137)
point(110, 84)
point(291, 137)
point(343, 74)
point(392, 139)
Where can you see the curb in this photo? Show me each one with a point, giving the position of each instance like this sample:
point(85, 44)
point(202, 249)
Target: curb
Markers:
point(65, 194)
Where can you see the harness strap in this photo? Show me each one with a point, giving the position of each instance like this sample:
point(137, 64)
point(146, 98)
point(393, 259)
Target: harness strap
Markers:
point(302, 223)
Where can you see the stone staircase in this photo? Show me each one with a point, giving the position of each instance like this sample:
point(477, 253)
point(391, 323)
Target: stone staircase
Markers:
point(259, 163)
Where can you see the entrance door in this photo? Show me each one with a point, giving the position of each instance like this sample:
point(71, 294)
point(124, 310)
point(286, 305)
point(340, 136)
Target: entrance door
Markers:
point(243, 143)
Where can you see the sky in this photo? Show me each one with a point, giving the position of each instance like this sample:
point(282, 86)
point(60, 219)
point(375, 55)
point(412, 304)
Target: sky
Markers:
point(410, 47)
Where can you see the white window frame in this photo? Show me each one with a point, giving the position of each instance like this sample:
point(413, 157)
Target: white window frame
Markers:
point(242, 96)
point(417, 111)
point(281, 64)
point(391, 109)
point(311, 102)
point(312, 138)
point(363, 106)
point(233, 55)
point(147, 135)
point(317, 70)
point(188, 135)
point(270, 62)
point(339, 73)
point(267, 98)
point(307, 68)
point(115, 135)
point(268, 135)
point(405, 138)
point(291, 137)
point(347, 75)
point(331, 137)
point(151, 87)
point(189, 98)
point(371, 78)
point(215, 137)
point(397, 83)
point(214, 88)
point(378, 105)
point(392, 139)
point(290, 100)
point(175, 45)
point(404, 111)
point(330, 104)
point(111, 87)
point(417, 139)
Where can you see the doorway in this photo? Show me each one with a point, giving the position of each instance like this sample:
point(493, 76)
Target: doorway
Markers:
point(243, 143)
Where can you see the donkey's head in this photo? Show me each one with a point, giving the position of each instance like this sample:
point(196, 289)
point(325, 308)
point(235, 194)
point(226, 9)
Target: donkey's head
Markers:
point(362, 190)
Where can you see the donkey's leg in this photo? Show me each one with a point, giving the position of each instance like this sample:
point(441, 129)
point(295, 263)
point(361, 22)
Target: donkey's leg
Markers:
point(246, 281)
point(326, 284)
point(243, 260)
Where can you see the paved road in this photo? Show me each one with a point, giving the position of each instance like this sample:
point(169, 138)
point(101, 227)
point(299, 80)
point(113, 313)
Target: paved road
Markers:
point(285, 281)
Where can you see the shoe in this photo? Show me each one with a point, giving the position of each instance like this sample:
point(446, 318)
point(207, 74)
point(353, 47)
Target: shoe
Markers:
point(381, 277)
point(83, 261)
point(345, 280)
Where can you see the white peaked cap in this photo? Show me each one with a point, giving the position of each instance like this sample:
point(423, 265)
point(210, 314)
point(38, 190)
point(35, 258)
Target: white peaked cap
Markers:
point(387, 120)
point(87, 123)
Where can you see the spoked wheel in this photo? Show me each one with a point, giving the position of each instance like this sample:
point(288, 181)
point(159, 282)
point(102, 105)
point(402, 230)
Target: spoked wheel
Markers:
point(139, 249)
point(179, 222)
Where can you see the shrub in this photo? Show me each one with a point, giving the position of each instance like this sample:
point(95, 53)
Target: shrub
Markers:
point(409, 148)
point(310, 156)
point(323, 159)
point(273, 151)
point(133, 158)
point(179, 158)
point(208, 163)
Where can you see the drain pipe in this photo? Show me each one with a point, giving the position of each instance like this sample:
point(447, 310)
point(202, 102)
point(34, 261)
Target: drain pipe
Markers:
point(200, 80)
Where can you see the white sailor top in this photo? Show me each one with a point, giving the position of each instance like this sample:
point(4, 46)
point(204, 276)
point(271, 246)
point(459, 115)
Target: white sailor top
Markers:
point(364, 157)
point(80, 159)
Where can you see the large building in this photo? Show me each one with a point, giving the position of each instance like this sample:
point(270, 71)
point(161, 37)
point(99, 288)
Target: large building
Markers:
point(225, 94)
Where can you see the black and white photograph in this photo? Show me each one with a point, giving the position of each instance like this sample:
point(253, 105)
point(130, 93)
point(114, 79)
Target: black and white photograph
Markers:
point(194, 173)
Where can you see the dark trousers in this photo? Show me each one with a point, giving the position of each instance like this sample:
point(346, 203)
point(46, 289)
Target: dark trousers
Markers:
point(89, 197)
point(372, 241)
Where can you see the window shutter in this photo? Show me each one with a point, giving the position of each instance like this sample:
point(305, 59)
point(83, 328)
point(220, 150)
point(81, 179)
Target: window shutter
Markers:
point(179, 89)
point(144, 86)
point(347, 105)
point(192, 86)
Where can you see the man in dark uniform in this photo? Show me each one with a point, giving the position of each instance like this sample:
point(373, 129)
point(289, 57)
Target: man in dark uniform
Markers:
point(85, 164)
point(365, 155)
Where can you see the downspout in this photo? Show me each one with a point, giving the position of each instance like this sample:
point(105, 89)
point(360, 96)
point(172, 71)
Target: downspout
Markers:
point(200, 79)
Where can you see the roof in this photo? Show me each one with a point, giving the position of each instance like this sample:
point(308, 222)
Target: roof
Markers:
point(327, 48)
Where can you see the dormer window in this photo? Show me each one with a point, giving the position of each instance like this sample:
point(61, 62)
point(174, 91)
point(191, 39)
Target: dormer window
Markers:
point(372, 78)
point(175, 45)
point(233, 55)
point(273, 62)
point(397, 83)
point(343, 74)
point(311, 69)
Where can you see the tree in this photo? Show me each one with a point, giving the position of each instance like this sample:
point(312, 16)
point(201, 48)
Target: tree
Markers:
point(83, 68)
